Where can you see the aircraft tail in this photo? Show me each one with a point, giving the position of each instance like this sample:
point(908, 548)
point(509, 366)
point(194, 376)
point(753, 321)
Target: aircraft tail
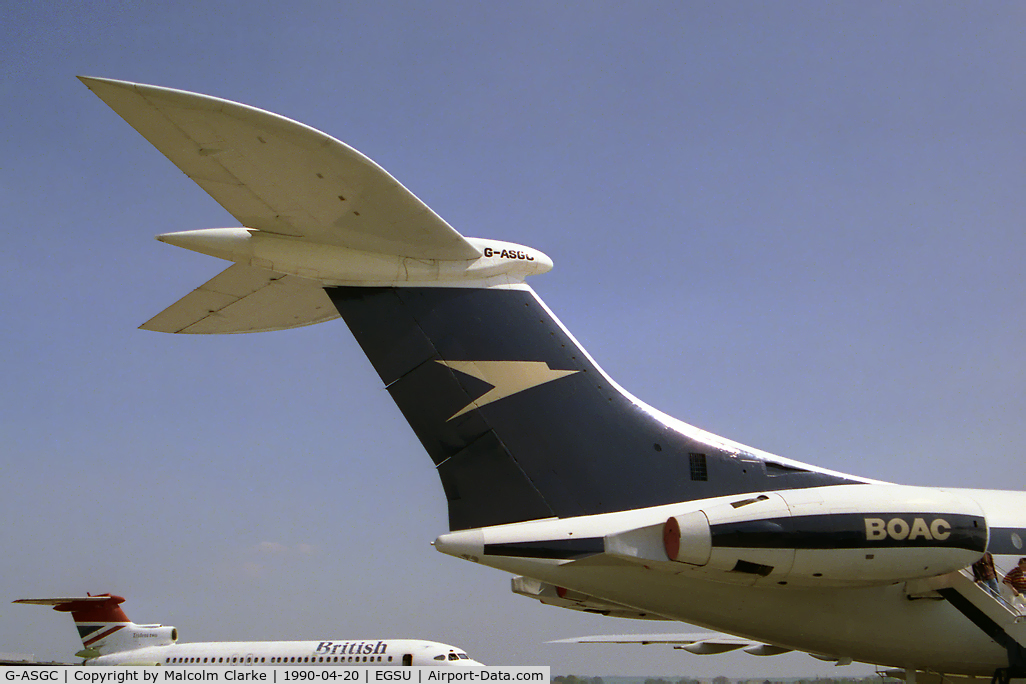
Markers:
point(103, 626)
point(522, 424)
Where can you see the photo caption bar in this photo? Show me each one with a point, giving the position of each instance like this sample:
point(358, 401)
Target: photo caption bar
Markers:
point(217, 674)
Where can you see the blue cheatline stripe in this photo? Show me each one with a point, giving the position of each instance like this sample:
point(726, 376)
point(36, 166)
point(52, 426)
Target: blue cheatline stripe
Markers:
point(849, 531)
point(565, 549)
point(1008, 541)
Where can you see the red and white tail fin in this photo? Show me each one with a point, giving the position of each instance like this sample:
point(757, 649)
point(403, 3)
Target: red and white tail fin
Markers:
point(103, 626)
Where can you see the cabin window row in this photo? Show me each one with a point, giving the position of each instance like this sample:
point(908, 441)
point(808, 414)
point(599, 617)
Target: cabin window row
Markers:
point(249, 660)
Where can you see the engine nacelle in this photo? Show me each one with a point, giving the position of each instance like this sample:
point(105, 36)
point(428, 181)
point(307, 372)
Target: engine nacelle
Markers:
point(830, 536)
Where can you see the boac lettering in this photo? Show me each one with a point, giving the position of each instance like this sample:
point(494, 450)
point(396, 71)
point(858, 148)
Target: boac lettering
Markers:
point(899, 529)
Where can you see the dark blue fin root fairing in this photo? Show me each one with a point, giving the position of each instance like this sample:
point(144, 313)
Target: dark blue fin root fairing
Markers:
point(567, 446)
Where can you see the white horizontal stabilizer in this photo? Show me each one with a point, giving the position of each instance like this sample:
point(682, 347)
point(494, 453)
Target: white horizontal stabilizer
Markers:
point(62, 601)
point(246, 299)
point(315, 213)
point(283, 177)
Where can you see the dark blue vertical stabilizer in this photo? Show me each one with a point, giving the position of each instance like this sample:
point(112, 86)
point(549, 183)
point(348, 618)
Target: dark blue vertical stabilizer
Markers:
point(519, 422)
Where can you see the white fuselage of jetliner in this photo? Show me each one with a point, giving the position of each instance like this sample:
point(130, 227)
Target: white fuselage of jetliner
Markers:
point(872, 618)
point(373, 652)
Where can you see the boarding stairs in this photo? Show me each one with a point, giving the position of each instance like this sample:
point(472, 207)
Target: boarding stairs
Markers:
point(1002, 621)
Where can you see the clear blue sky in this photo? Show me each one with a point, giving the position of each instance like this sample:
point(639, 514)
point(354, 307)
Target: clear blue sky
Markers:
point(798, 225)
